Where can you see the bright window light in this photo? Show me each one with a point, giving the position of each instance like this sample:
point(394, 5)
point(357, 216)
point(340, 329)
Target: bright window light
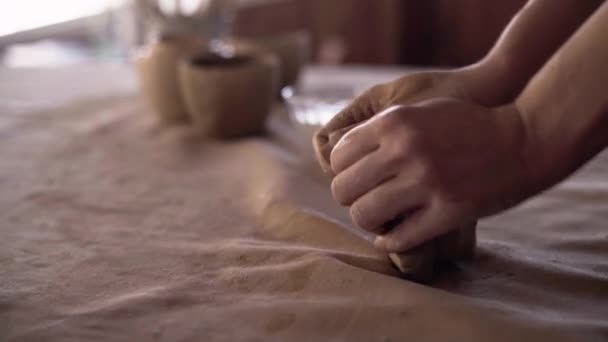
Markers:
point(27, 14)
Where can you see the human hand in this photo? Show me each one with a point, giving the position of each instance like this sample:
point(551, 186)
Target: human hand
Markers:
point(413, 173)
point(409, 89)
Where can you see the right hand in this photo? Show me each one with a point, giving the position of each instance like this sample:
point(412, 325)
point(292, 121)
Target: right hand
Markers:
point(412, 88)
point(406, 90)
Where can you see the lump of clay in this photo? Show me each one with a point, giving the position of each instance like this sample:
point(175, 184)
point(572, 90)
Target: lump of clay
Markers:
point(419, 263)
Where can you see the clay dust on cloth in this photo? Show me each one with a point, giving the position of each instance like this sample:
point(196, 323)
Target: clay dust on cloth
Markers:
point(115, 229)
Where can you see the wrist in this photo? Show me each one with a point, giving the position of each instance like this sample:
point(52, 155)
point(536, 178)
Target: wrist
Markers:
point(490, 82)
point(521, 176)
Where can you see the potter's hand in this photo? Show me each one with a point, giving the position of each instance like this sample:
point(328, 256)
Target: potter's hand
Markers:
point(421, 170)
point(406, 90)
point(496, 80)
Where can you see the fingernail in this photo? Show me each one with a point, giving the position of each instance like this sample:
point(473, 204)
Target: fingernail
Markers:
point(380, 242)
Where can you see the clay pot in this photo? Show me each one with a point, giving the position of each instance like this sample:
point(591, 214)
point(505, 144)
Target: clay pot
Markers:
point(293, 50)
point(157, 71)
point(229, 97)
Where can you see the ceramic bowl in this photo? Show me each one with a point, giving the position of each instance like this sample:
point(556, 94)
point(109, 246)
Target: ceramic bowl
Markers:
point(157, 70)
point(229, 97)
point(310, 108)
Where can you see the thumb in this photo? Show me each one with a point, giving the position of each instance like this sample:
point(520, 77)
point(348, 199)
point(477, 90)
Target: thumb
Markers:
point(425, 224)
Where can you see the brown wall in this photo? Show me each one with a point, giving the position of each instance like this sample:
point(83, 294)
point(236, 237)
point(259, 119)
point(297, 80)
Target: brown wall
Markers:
point(464, 30)
point(431, 32)
point(371, 31)
point(364, 31)
point(276, 16)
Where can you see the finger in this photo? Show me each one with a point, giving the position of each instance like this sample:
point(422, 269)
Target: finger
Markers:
point(358, 111)
point(420, 227)
point(336, 136)
point(390, 202)
point(361, 177)
point(322, 153)
point(353, 146)
point(324, 144)
point(341, 123)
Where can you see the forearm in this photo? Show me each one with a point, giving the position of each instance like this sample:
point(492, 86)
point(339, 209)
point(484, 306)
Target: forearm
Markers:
point(565, 106)
point(531, 38)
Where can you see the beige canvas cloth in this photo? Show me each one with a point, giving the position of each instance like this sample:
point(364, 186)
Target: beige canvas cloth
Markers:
point(115, 229)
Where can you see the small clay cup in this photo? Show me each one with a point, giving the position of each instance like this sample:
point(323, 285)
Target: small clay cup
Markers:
point(157, 70)
point(293, 50)
point(229, 97)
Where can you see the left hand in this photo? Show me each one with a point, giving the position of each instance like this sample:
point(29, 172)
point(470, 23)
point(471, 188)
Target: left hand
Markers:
point(413, 173)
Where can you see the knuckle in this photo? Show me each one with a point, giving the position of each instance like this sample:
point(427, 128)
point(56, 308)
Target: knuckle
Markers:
point(398, 128)
point(402, 146)
point(391, 120)
point(400, 150)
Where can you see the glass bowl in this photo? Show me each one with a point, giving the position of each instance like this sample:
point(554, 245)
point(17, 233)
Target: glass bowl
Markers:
point(310, 108)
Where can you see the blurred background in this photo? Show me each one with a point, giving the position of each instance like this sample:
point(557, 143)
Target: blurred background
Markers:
point(378, 32)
